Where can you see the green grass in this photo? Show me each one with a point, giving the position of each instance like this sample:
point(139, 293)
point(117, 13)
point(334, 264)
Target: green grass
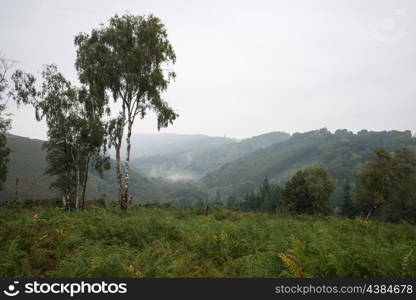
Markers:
point(168, 242)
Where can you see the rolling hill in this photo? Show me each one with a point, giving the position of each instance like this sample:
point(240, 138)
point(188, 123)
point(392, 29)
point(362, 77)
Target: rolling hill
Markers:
point(343, 153)
point(192, 161)
point(168, 144)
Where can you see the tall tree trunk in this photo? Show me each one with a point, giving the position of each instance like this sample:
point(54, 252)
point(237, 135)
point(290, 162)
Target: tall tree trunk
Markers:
point(118, 139)
point(65, 200)
point(119, 179)
point(127, 197)
point(84, 187)
point(78, 190)
point(65, 197)
point(370, 212)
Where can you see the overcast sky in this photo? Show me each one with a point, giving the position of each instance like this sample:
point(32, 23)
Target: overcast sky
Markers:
point(246, 67)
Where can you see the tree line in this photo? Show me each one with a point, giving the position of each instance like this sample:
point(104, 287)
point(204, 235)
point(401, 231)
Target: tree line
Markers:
point(385, 187)
point(123, 64)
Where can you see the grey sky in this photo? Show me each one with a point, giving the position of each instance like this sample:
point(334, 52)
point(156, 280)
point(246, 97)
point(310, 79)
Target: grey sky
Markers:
point(247, 67)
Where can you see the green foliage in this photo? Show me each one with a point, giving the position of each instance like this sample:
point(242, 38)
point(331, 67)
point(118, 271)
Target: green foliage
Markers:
point(127, 58)
point(387, 179)
point(266, 199)
point(168, 242)
point(4, 158)
point(348, 207)
point(233, 203)
point(190, 157)
point(342, 153)
point(308, 192)
point(5, 122)
point(76, 134)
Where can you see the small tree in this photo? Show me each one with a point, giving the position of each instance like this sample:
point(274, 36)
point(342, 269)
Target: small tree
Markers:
point(126, 58)
point(265, 199)
point(385, 179)
point(233, 202)
point(348, 208)
point(75, 132)
point(271, 199)
point(217, 200)
point(5, 121)
point(308, 192)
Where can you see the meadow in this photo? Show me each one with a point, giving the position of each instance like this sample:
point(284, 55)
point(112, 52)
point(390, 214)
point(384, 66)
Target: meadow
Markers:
point(172, 242)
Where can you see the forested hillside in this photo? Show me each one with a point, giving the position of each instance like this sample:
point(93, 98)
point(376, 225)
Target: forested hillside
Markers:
point(342, 153)
point(273, 155)
point(192, 160)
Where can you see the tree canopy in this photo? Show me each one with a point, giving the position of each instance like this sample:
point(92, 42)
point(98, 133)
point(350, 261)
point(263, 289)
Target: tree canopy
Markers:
point(308, 192)
point(387, 178)
point(76, 134)
point(128, 58)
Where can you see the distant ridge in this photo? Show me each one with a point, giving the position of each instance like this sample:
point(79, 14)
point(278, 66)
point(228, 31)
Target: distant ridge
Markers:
point(191, 158)
point(343, 153)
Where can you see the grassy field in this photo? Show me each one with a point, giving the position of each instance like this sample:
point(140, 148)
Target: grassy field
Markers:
point(168, 242)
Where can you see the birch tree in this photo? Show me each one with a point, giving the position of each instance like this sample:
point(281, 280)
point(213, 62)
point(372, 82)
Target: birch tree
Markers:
point(128, 59)
point(386, 179)
point(76, 134)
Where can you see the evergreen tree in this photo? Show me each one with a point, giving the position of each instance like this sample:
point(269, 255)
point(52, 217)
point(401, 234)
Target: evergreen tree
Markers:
point(271, 199)
point(265, 199)
point(233, 203)
point(218, 200)
point(348, 208)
